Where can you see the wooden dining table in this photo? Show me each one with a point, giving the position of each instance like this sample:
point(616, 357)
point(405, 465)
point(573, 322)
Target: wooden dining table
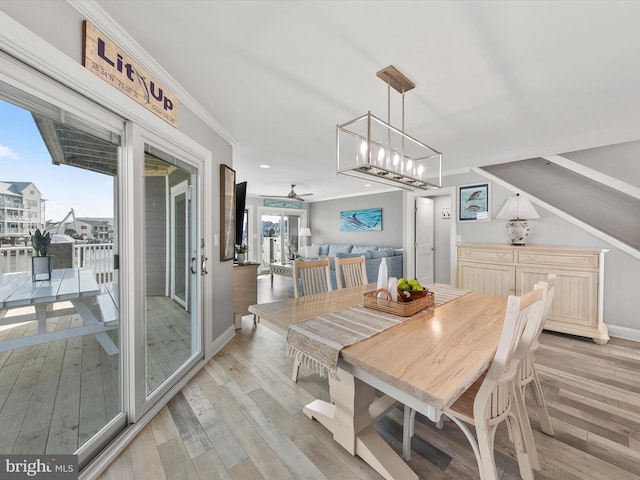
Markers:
point(426, 363)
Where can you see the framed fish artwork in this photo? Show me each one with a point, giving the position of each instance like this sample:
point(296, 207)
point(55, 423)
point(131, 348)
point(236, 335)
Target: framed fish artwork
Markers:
point(473, 202)
point(369, 220)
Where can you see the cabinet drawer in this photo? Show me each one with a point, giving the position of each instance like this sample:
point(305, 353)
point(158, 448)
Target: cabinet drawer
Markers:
point(577, 260)
point(486, 255)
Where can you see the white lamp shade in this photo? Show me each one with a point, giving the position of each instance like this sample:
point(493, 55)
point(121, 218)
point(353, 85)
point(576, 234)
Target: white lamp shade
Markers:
point(305, 232)
point(517, 208)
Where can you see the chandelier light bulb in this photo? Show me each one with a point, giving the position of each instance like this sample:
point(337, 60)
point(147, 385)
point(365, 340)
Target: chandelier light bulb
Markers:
point(380, 155)
point(420, 171)
point(396, 159)
point(363, 148)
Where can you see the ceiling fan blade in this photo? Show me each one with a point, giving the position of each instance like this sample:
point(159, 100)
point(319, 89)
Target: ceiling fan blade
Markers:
point(276, 196)
point(305, 194)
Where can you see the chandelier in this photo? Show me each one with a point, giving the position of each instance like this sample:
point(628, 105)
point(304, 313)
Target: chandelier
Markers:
point(370, 148)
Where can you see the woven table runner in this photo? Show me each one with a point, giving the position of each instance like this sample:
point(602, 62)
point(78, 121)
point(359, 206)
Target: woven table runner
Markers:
point(316, 343)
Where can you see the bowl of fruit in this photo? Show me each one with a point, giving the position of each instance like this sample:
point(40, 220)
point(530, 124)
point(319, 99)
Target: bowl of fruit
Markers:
point(409, 290)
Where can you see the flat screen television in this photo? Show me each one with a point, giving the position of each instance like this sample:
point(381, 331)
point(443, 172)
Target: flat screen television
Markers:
point(241, 200)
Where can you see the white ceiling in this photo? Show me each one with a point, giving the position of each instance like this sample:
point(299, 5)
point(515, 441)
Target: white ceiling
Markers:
point(495, 81)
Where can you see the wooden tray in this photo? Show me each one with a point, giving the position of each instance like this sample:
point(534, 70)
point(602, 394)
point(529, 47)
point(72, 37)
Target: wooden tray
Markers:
point(403, 309)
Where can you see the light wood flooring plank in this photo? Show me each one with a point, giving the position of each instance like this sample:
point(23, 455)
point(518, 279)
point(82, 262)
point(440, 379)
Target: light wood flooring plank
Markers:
point(209, 465)
point(145, 458)
point(287, 451)
point(120, 469)
point(163, 427)
point(191, 430)
point(176, 461)
point(221, 438)
point(259, 452)
point(314, 441)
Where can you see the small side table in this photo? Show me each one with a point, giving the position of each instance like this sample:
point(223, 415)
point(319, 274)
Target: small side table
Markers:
point(284, 269)
point(245, 290)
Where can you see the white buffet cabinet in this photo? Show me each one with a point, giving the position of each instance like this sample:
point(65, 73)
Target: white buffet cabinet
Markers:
point(503, 269)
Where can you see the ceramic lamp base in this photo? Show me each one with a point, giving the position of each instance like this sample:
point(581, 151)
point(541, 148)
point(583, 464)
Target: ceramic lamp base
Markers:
point(518, 230)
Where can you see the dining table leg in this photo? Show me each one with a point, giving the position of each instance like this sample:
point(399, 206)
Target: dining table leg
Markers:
point(349, 419)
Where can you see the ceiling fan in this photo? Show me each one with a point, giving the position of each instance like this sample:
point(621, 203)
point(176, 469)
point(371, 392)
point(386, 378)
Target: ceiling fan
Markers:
point(292, 195)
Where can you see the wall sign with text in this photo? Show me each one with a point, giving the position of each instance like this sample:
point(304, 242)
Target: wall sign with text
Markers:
point(108, 61)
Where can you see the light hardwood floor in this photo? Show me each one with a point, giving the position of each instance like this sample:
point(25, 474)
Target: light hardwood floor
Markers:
point(241, 418)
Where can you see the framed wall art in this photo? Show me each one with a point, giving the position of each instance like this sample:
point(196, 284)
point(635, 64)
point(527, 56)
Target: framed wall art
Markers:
point(227, 212)
point(474, 204)
point(369, 220)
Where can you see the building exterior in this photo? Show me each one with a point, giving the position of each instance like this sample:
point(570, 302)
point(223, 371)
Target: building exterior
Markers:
point(93, 230)
point(21, 211)
point(98, 230)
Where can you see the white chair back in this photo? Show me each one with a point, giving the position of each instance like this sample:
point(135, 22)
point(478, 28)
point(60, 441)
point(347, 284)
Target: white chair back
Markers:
point(313, 276)
point(521, 322)
point(351, 272)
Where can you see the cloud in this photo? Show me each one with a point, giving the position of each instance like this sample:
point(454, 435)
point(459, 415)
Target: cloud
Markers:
point(6, 152)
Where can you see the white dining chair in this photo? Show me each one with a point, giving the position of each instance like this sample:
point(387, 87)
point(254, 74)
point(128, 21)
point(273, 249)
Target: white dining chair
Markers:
point(493, 397)
point(309, 278)
point(528, 375)
point(351, 272)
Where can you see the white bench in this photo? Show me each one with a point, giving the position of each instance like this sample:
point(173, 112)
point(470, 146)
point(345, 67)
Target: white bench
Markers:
point(108, 303)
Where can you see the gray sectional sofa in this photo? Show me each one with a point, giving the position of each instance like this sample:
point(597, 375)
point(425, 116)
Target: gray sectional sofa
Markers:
point(373, 256)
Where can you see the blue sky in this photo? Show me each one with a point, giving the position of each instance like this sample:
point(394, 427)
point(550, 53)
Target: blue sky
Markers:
point(25, 158)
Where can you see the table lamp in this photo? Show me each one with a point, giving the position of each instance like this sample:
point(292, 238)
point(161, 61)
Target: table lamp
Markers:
point(304, 232)
point(517, 210)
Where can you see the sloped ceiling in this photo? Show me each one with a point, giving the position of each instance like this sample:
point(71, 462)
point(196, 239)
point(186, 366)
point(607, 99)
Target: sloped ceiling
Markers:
point(603, 208)
point(621, 161)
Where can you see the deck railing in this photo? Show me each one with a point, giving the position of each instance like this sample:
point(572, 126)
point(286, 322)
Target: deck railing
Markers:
point(96, 256)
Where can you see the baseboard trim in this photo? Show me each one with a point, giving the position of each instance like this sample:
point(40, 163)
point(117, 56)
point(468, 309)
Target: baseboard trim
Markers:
point(624, 332)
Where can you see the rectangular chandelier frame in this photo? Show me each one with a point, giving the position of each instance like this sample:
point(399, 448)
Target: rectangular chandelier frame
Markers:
point(370, 148)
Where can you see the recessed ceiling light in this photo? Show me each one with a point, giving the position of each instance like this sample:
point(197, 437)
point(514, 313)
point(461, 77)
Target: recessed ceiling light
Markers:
point(265, 166)
point(367, 184)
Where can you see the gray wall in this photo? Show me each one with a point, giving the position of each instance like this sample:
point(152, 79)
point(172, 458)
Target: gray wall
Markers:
point(324, 219)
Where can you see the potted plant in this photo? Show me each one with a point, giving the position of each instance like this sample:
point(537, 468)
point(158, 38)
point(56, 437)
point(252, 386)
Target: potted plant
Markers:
point(241, 251)
point(40, 262)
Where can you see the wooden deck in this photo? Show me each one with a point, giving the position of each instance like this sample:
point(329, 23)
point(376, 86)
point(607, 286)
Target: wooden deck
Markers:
point(55, 396)
point(241, 418)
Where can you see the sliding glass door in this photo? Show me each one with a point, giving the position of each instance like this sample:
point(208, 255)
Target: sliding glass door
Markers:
point(60, 352)
point(279, 235)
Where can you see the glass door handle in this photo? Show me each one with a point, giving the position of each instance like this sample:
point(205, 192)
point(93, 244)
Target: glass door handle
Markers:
point(193, 265)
